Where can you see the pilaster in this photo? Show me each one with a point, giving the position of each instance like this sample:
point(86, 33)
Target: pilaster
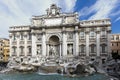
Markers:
point(98, 42)
point(87, 43)
point(43, 42)
point(109, 42)
point(10, 37)
point(25, 45)
point(76, 42)
point(18, 44)
point(64, 43)
point(34, 47)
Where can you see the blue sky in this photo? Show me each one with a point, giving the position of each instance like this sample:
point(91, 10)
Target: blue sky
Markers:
point(19, 12)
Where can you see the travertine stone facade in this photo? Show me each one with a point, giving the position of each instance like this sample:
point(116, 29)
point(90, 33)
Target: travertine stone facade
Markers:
point(62, 35)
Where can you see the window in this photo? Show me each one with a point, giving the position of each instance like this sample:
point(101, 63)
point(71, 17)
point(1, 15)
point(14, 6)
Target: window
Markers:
point(103, 48)
point(112, 44)
point(14, 37)
point(117, 44)
point(21, 36)
point(92, 48)
point(92, 34)
point(14, 49)
point(82, 48)
point(112, 37)
point(117, 37)
point(103, 34)
point(21, 50)
point(29, 49)
point(82, 35)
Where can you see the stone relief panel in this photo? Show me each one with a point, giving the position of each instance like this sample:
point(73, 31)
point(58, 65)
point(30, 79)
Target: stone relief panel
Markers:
point(69, 36)
point(37, 22)
point(53, 21)
point(39, 37)
point(70, 20)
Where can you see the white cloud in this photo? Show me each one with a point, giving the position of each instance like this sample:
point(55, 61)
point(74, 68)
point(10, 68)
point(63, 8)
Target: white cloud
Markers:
point(101, 9)
point(19, 12)
point(117, 19)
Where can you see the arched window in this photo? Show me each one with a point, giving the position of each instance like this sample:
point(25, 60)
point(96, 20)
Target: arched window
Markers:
point(92, 48)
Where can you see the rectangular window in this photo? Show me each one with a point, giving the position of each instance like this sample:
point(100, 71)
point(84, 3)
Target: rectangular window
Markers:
point(29, 49)
point(117, 44)
point(82, 35)
point(14, 50)
point(21, 36)
point(117, 37)
point(82, 49)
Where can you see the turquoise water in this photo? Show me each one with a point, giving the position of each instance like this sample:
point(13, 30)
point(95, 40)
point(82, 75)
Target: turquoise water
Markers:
point(36, 76)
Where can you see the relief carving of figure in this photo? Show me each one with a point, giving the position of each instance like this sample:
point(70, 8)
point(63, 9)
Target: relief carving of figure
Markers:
point(70, 36)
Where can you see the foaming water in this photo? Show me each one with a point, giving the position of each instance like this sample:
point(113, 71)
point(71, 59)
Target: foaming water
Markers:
point(48, 73)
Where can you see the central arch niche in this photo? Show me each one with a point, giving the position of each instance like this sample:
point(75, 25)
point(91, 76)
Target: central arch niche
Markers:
point(54, 46)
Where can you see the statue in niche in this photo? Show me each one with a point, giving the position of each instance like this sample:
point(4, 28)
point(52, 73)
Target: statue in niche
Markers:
point(70, 49)
point(39, 50)
point(52, 50)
